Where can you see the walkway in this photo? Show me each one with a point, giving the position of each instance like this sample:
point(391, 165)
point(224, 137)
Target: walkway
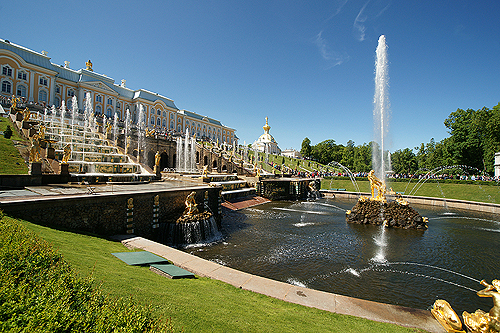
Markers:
point(345, 305)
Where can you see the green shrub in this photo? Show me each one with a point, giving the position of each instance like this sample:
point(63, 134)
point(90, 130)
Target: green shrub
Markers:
point(39, 292)
point(8, 132)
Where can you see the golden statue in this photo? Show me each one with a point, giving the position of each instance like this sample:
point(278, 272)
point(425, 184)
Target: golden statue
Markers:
point(66, 153)
point(480, 321)
point(108, 128)
point(156, 199)
point(13, 103)
point(204, 172)
point(130, 203)
point(35, 145)
point(376, 183)
point(26, 114)
point(477, 322)
point(191, 206)
point(150, 133)
point(89, 66)
point(157, 159)
point(445, 315)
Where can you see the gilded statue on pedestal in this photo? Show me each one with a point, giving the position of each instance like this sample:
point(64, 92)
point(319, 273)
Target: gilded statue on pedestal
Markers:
point(89, 66)
point(66, 153)
point(191, 205)
point(35, 145)
point(379, 185)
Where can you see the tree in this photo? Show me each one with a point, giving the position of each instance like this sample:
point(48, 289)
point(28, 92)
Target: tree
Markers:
point(362, 158)
point(306, 149)
point(404, 161)
point(468, 132)
point(348, 155)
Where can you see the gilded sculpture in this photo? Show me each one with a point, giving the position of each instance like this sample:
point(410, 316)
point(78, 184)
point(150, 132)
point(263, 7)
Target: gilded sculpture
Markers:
point(88, 64)
point(191, 205)
point(379, 185)
point(66, 153)
point(157, 158)
point(204, 172)
point(35, 145)
point(26, 114)
point(477, 322)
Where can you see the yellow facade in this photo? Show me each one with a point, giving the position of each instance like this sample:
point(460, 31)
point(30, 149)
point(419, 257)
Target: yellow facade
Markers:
point(31, 76)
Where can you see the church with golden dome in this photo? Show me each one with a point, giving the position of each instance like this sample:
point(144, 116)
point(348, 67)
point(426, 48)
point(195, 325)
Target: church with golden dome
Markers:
point(266, 143)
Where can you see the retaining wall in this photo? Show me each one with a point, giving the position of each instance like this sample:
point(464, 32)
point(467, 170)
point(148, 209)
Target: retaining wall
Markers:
point(109, 213)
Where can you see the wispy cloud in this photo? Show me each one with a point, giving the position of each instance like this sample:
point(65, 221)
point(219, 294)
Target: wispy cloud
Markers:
point(366, 13)
point(338, 8)
point(333, 58)
point(359, 23)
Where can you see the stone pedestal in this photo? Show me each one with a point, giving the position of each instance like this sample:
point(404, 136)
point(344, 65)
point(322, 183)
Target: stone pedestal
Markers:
point(64, 167)
point(36, 168)
point(50, 153)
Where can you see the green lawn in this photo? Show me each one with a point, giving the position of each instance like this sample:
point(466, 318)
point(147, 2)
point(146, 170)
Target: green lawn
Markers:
point(476, 192)
point(11, 162)
point(201, 304)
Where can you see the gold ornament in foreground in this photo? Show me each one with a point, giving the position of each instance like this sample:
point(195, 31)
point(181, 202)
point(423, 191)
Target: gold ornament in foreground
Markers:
point(477, 322)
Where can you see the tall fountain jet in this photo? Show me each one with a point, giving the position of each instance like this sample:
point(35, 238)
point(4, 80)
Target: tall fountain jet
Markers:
point(381, 108)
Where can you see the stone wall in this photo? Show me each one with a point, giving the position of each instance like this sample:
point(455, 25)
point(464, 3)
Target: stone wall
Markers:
point(106, 214)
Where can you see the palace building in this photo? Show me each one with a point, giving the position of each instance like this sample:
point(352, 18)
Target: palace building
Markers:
point(36, 80)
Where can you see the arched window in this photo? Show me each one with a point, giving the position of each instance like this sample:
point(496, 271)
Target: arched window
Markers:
point(109, 113)
point(57, 103)
point(21, 90)
point(171, 124)
point(42, 95)
point(152, 120)
point(158, 122)
point(6, 87)
point(98, 109)
point(164, 123)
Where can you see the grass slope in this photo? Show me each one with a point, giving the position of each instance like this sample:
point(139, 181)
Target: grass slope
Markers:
point(197, 305)
point(11, 162)
point(476, 192)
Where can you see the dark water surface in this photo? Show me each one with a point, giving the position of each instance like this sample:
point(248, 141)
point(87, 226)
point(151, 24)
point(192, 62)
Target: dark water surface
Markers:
point(310, 244)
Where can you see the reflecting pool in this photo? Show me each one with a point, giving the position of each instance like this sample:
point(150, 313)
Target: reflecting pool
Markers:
point(309, 244)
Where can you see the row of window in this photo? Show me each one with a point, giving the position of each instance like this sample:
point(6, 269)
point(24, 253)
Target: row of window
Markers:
point(7, 71)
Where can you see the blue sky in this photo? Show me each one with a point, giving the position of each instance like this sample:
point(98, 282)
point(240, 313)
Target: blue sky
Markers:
point(307, 65)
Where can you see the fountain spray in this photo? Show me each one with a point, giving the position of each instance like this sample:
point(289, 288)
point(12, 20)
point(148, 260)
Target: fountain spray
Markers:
point(381, 108)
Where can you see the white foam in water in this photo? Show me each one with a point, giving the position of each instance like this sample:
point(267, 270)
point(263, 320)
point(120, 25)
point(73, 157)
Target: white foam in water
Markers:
point(220, 262)
point(379, 258)
point(353, 271)
point(301, 211)
point(302, 224)
point(296, 282)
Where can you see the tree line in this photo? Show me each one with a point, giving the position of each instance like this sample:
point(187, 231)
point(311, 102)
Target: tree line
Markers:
point(474, 138)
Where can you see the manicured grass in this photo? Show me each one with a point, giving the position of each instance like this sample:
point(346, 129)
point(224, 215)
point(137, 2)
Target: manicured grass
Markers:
point(40, 292)
point(476, 192)
point(201, 304)
point(11, 162)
